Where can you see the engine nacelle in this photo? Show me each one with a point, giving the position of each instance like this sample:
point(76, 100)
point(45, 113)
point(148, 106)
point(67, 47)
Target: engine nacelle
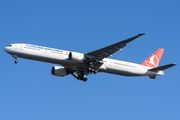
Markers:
point(59, 71)
point(76, 57)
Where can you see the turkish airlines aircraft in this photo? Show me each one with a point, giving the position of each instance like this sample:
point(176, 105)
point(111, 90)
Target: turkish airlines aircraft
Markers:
point(81, 64)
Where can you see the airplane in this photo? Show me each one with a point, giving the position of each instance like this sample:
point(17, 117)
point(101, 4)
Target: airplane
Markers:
point(80, 65)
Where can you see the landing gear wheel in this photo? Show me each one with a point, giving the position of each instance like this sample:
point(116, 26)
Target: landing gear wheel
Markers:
point(90, 69)
point(16, 62)
point(85, 79)
point(95, 71)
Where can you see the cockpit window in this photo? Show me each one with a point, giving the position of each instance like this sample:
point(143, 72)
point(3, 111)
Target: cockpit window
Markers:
point(9, 45)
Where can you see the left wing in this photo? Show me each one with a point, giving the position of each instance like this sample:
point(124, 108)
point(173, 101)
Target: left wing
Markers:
point(109, 50)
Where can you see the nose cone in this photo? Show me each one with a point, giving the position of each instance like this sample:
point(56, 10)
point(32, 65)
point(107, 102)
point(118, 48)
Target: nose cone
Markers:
point(5, 49)
point(8, 49)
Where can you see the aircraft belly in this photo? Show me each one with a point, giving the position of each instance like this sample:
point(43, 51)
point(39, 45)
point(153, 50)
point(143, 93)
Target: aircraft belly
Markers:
point(79, 66)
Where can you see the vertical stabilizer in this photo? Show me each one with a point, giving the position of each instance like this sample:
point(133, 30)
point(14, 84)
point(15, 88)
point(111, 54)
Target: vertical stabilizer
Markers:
point(154, 59)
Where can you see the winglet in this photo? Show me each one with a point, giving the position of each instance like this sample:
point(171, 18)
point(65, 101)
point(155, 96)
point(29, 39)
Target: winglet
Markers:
point(142, 33)
point(154, 59)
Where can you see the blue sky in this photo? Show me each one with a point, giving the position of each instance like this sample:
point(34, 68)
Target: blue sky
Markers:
point(28, 91)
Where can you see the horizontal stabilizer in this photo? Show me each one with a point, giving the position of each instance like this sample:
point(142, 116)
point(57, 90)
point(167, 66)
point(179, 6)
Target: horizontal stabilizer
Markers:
point(162, 67)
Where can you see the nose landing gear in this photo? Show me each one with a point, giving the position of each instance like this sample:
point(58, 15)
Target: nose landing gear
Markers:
point(15, 57)
point(15, 61)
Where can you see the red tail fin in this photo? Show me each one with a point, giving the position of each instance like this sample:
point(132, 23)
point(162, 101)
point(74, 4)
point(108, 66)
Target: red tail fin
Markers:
point(154, 59)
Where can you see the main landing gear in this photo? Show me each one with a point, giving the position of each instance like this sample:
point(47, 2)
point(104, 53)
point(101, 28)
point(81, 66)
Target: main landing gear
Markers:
point(82, 78)
point(15, 57)
point(80, 75)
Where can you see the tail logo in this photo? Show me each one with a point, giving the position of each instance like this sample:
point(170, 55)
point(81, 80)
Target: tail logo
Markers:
point(152, 61)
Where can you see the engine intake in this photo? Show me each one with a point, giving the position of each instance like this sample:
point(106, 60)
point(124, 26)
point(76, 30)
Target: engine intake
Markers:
point(76, 57)
point(59, 71)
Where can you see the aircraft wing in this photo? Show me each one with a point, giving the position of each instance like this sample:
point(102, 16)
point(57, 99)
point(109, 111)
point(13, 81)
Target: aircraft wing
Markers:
point(109, 50)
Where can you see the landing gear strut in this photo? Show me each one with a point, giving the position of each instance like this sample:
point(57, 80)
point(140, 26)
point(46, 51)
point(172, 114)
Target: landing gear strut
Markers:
point(15, 57)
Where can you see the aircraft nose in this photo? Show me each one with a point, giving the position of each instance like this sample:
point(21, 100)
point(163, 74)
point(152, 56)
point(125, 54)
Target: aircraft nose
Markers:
point(8, 48)
point(5, 49)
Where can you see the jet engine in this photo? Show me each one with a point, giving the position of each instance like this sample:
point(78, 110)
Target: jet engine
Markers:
point(76, 57)
point(59, 71)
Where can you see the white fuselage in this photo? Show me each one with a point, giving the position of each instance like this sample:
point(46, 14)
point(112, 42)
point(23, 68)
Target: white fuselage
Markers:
point(57, 56)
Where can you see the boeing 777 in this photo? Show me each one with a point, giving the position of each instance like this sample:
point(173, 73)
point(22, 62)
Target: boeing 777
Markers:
point(82, 64)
